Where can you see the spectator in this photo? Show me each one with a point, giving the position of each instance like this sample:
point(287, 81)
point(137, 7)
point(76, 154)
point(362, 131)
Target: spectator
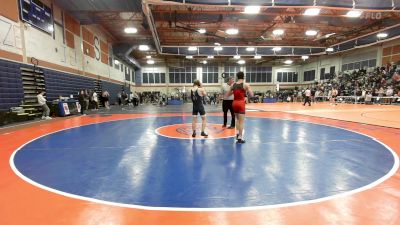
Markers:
point(42, 102)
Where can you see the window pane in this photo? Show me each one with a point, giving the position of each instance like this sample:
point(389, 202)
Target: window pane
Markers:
point(162, 78)
point(194, 77)
point(171, 78)
point(290, 77)
point(258, 78)
point(372, 63)
point(357, 65)
point(248, 77)
point(209, 78)
point(156, 78)
point(295, 75)
point(151, 78)
point(264, 77)
point(145, 78)
point(269, 77)
point(216, 77)
point(204, 79)
point(284, 78)
point(186, 77)
point(364, 64)
point(332, 70)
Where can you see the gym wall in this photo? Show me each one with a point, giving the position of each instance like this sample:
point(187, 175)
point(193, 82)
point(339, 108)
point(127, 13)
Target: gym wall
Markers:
point(72, 48)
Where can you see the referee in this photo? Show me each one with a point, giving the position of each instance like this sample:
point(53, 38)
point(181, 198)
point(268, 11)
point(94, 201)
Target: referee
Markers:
point(227, 103)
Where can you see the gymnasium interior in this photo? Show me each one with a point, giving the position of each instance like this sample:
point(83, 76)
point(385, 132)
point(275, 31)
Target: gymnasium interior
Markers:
point(98, 115)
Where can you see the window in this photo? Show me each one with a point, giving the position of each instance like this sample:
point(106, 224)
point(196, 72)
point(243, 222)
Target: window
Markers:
point(359, 65)
point(372, 63)
point(127, 74)
point(258, 74)
point(182, 75)
point(287, 77)
point(344, 67)
point(332, 71)
point(309, 75)
point(210, 74)
point(231, 71)
point(322, 74)
point(153, 78)
point(145, 78)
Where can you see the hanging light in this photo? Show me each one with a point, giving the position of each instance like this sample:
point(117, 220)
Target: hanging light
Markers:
point(252, 9)
point(278, 32)
point(312, 12)
point(130, 30)
point(288, 61)
point(311, 32)
point(232, 31)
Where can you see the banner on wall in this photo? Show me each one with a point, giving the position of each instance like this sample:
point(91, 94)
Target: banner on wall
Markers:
point(97, 48)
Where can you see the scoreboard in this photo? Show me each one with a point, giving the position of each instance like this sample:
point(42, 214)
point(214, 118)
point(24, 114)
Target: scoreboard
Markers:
point(37, 14)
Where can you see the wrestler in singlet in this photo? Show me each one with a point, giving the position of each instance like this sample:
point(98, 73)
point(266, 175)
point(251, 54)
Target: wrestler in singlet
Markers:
point(239, 98)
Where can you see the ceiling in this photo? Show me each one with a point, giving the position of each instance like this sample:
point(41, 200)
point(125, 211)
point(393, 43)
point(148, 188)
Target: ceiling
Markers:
point(169, 27)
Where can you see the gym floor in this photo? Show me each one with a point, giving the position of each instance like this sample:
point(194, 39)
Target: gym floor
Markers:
point(300, 165)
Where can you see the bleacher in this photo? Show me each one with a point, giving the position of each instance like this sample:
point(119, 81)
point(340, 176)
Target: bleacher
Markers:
point(64, 84)
point(11, 90)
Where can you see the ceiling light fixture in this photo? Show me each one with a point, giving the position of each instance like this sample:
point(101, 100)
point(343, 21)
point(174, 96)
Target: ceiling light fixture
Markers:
point(312, 12)
point(204, 62)
point(304, 57)
point(382, 35)
point(252, 9)
point(276, 49)
point(257, 56)
point(250, 49)
point(148, 57)
point(192, 48)
point(116, 62)
point(236, 57)
point(189, 57)
point(311, 32)
point(288, 61)
point(210, 57)
point(130, 30)
point(144, 47)
point(241, 62)
point(353, 13)
point(150, 61)
point(278, 32)
point(232, 31)
point(329, 50)
point(202, 31)
point(218, 48)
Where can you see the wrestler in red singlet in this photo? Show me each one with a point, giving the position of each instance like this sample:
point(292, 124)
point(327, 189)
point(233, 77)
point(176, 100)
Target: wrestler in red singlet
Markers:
point(239, 99)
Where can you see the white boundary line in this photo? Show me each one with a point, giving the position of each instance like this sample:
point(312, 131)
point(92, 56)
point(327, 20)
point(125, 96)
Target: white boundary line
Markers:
point(190, 136)
point(235, 209)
